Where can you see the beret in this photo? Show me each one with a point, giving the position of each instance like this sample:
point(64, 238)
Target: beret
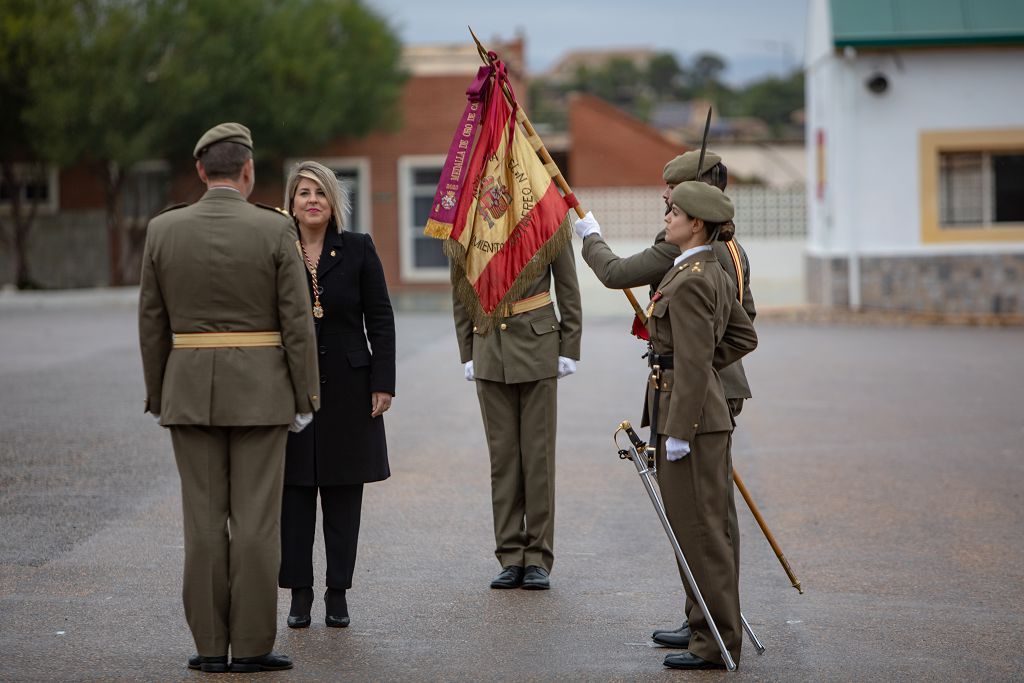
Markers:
point(225, 132)
point(700, 200)
point(684, 166)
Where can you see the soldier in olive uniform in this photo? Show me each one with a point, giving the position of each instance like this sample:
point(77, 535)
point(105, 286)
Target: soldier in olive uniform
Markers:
point(650, 265)
point(647, 267)
point(698, 327)
point(515, 368)
point(229, 357)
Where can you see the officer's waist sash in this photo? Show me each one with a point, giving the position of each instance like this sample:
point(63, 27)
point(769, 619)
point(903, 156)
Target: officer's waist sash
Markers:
point(224, 340)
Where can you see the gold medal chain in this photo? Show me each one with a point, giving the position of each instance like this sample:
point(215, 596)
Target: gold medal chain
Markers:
point(318, 310)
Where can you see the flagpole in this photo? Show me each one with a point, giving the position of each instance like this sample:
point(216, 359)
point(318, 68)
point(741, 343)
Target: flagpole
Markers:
point(549, 163)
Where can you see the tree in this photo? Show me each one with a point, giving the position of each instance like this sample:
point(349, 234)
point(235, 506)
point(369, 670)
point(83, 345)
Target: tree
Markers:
point(148, 76)
point(665, 75)
point(32, 34)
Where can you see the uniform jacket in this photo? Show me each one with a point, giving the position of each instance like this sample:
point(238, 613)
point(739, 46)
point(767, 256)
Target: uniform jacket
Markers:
point(526, 347)
point(699, 322)
point(225, 265)
point(648, 267)
point(356, 348)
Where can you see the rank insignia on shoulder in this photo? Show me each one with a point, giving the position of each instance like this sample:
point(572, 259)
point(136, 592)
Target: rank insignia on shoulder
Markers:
point(695, 268)
point(278, 209)
point(172, 207)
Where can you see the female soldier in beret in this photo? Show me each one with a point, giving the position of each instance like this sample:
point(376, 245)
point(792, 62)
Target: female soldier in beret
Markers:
point(697, 326)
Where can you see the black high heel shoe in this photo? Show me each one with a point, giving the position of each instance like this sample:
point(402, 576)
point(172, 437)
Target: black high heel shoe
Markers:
point(337, 608)
point(302, 603)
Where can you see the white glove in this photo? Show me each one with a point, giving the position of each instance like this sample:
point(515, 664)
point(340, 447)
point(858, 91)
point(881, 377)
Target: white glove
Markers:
point(156, 416)
point(469, 371)
point(566, 366)
point(587, 226)
point(676, 449)
point(300, 422)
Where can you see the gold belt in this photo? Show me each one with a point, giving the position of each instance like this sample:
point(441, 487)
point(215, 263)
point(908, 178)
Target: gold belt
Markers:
point(222, 340)
point(528, 304)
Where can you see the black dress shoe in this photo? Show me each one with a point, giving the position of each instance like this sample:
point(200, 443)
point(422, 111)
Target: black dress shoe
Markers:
point(210, 665)
point(678, 638)
point(510, 577)
point(302, 603)
point(337, 608)
point(536, 579)
point(688, 660)
point(268, 662)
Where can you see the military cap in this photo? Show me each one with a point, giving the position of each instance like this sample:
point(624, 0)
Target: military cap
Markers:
point(684, 166)
point(700, 200)
point(225, 132)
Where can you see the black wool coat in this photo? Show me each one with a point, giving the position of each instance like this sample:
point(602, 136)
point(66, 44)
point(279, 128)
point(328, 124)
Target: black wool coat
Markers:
point(344, 445)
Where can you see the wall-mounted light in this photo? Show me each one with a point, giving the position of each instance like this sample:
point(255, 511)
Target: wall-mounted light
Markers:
point(877, 83)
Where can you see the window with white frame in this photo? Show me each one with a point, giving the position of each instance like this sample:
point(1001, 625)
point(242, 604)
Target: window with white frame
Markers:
point(421, 257)
point(981, 189)
point(34, 183)
point(353, 175)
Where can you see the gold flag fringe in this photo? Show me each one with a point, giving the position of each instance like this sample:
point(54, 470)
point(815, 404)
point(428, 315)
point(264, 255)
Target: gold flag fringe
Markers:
point(466, 294)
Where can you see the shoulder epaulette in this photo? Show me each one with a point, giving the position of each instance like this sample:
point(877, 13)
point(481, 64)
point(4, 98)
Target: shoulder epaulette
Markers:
point(275, 209)
point(172, 207)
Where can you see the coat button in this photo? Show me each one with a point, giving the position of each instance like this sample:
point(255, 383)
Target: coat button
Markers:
point(695, 426)
point(504, 326)
point(323, 350)
point(474, 328)
point(314, 397)
point(323, 380)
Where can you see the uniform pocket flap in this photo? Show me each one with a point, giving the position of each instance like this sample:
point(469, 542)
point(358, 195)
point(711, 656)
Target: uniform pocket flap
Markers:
point(660, 308)
point(358, 358)
point(545, 326)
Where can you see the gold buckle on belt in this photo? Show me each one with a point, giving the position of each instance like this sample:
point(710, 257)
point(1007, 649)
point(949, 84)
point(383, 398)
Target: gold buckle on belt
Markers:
point(222, 340)
point(530, 303)
point(655, 378)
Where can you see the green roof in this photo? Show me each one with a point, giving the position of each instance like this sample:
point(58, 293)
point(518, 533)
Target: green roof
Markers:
point(889, 23)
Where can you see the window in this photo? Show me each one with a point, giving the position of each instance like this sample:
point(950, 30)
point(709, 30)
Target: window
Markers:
point(34, 182)
point(146, 191)
point(981, 189)
point(353, 174)
point(422, 257)
point(972, 185)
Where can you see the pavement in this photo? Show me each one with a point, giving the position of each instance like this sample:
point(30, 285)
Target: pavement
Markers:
point(888, 460)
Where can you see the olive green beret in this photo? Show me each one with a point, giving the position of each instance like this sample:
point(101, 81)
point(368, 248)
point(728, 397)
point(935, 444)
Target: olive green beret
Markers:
point(700, 200)
point(229, 132)
point(684, 166)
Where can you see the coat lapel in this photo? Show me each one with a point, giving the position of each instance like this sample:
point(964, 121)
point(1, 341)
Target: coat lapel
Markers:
point(332, 252)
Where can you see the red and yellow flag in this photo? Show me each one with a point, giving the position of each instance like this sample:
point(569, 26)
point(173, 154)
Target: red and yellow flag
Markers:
point(497, 208)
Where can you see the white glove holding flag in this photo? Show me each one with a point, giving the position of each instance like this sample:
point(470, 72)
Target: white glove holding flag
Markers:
point(587, 226)
point(676, 449)
point(300, 422)
point(470, 376)
point(566, 366)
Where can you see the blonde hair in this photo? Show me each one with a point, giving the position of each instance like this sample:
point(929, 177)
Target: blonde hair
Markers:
point(324, 177)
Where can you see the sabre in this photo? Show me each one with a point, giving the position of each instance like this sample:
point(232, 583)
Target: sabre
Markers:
point(647, 471)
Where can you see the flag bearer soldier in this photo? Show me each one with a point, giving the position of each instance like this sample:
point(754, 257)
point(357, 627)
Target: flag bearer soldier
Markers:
point(651, 264)
point(696, 327)
point(515, 367)
point(229, 357)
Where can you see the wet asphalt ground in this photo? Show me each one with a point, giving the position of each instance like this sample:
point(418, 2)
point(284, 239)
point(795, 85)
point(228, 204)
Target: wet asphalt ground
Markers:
point(888, 460)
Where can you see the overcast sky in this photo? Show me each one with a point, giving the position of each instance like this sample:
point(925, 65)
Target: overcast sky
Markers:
point(755, 37)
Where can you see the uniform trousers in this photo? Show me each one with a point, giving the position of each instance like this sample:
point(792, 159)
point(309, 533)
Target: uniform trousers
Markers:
point(231, 479)
point(520, 424)
point(697, 492)
point(341, 506)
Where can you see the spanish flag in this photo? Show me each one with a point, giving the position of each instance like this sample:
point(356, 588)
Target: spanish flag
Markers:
point(497, 208)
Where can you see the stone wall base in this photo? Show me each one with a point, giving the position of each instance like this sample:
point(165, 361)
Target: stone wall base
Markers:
point(949, 284)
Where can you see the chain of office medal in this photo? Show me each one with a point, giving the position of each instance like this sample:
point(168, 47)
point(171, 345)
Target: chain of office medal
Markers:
point(318, 310)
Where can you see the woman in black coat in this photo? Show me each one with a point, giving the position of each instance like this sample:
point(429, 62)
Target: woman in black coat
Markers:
point(345, 446)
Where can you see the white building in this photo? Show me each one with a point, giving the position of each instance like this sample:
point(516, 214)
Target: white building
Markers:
point(915, 135)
